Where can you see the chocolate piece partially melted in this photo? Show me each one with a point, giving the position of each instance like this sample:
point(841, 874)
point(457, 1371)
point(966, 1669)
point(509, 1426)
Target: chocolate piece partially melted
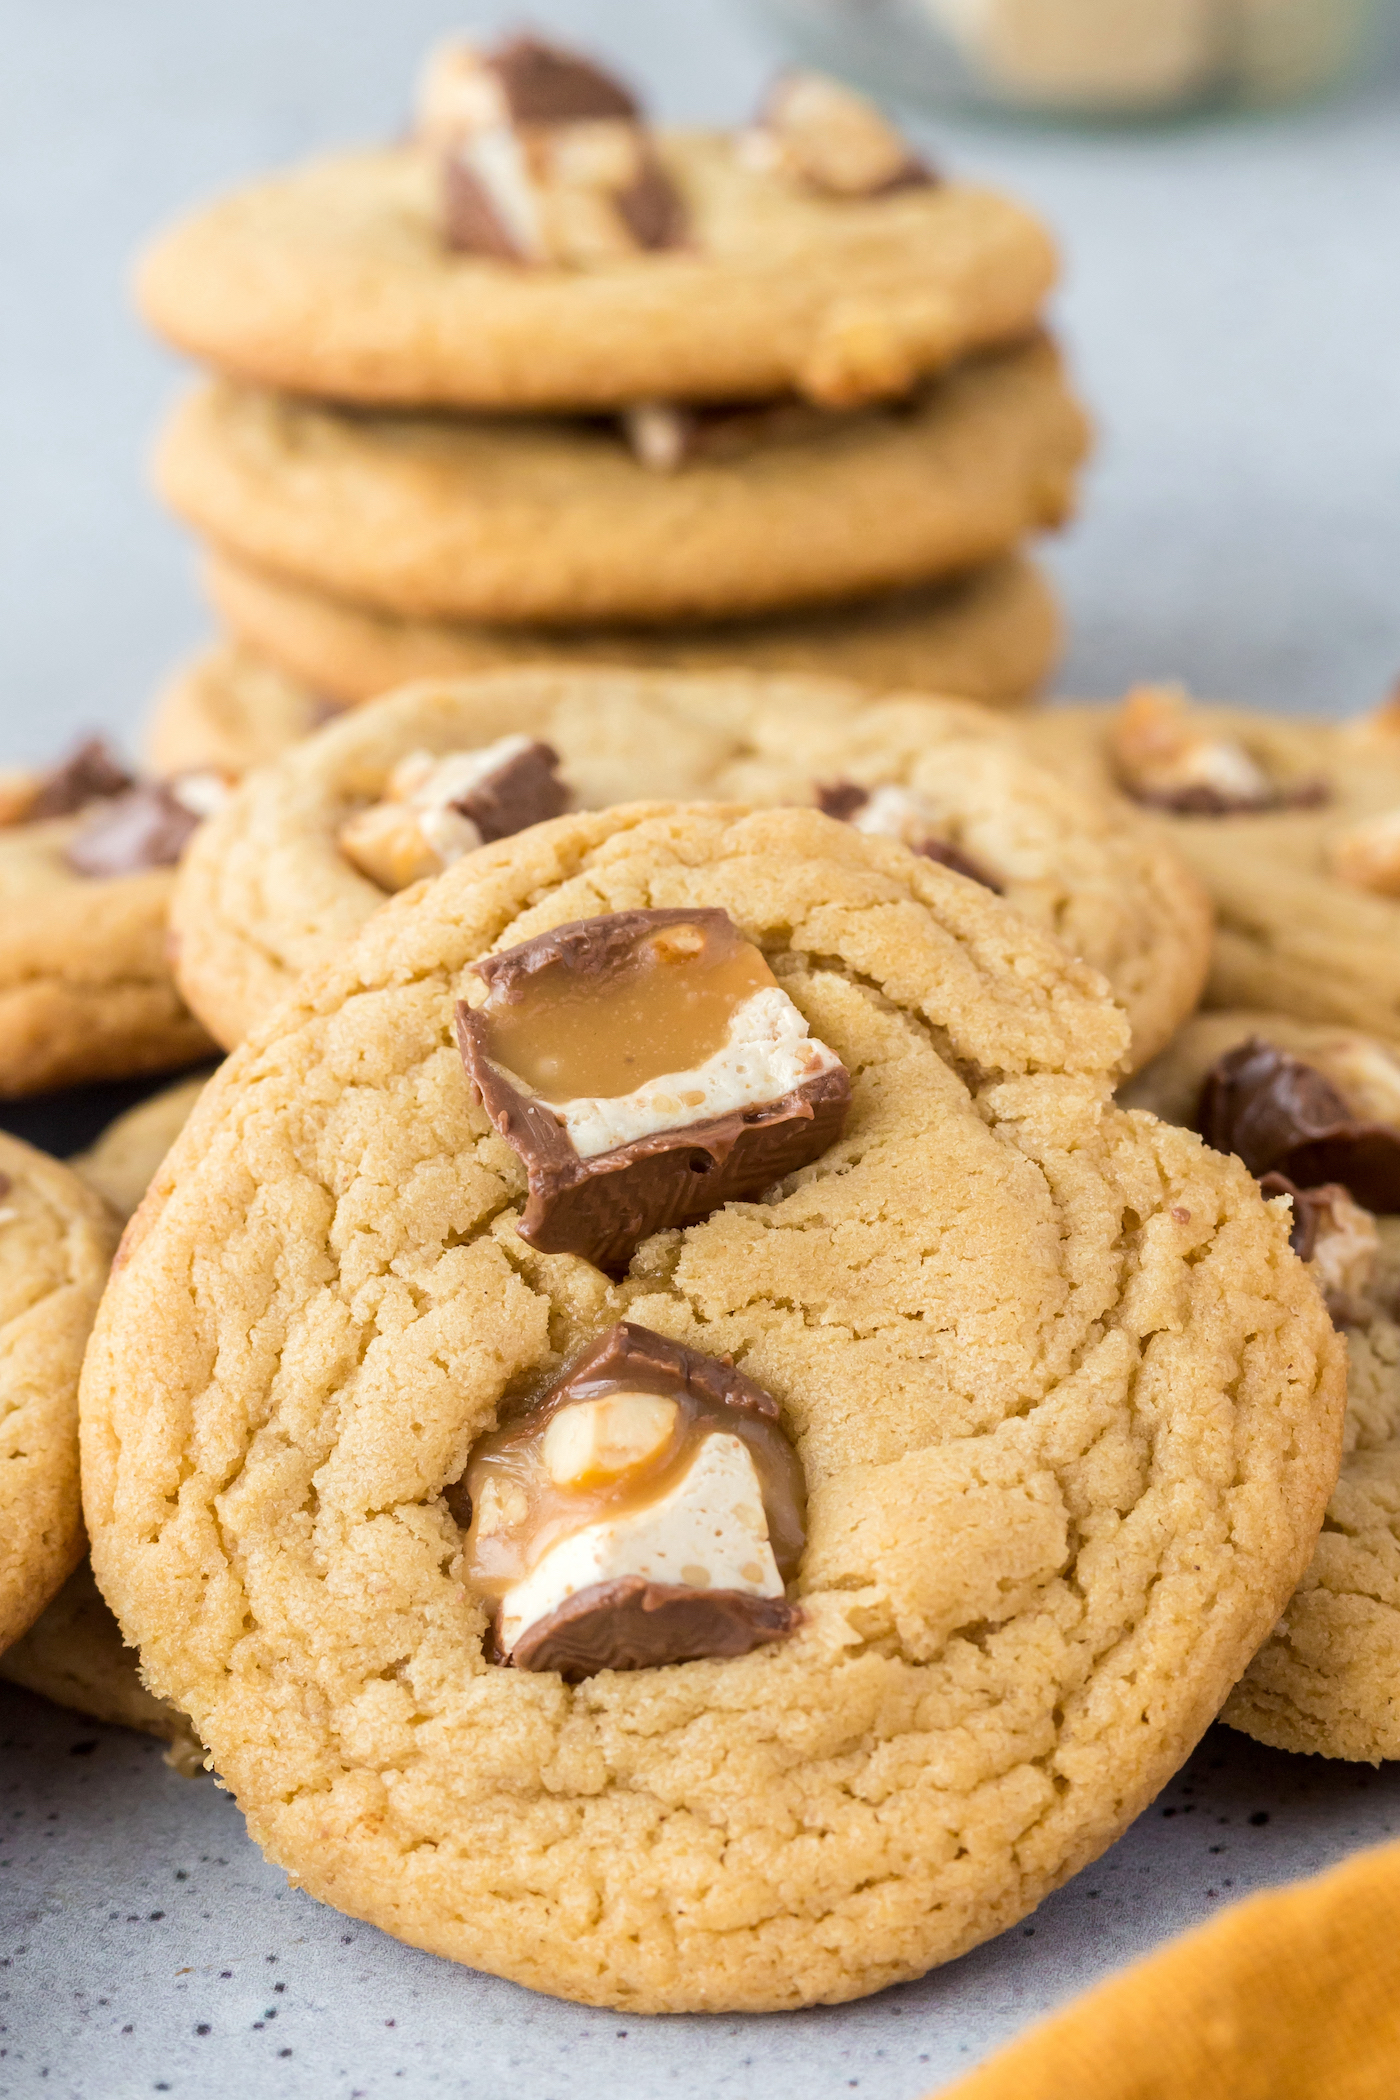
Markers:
point(144, 828)
point(1202, 801)
point(544, 84)
point(637, 1625)
point(603, 1208)
point(525, 790)
point(1309, 1207)
point(88, 774)
point(1284, 1117)
point(843, 800)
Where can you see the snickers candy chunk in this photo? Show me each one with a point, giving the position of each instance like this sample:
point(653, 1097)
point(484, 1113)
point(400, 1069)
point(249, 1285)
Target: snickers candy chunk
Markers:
point(821, 133)
point(647, 1510)
point(435, 809)
point(1167, 758)
point(647, 1067)
point(894, 812)
point(544, 158)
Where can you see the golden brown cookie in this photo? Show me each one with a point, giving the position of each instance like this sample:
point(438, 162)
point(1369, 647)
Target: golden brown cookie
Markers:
point(86, 990)
point(269, 890)
point(557, 523)
point(992, 636)
point(74, 1655)
point(1067, 1407)
point(334, 280)
point(1287, 823)
point(226, 711)
point(1328, 1678)
point(56, 1239)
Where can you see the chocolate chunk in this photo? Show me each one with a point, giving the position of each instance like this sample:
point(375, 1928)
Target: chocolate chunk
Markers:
point(89, 773)
point(147, 827)
point(1308, 1210)
point(841, 799)
point(587, 947)
point(651, 207)
point(525, 790)
point(844, 800)
point(637, 1625)
point(1282, 1116)
point(543, 84)
point(470, 219)
point(604, 1207)
point(1202, 801)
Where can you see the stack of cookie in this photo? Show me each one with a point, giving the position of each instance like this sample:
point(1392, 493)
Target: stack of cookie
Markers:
point(544, 382)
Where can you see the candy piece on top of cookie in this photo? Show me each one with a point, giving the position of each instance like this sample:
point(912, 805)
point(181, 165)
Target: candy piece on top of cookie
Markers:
point(647, 1509)
point(822, 133)
point(1165, 757)
point(892, 812)
point(87, 864)
point(1065, 1405)
point(435, 809)
point(544, 157)
point(535, 244)
point(1314, 1111)
point(648, 1068)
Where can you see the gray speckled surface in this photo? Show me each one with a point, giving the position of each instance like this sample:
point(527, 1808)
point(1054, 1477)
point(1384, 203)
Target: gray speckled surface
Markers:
point(1232, 304)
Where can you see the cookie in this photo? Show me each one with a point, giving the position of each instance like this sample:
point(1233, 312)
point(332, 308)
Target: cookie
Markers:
point(56, 1239)
point(1066, 1407)
point(227, 711)
point(270, 889)
point(1325, 1680)
point(1287, 823)
point(86, 876)
point(335, 281)
point(992, 636)
point(558, 523)
point(119, 1167)
point(74, 1655)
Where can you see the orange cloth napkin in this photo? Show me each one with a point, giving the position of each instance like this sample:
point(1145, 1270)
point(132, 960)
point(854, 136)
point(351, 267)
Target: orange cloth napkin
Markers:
point(1290, 1996)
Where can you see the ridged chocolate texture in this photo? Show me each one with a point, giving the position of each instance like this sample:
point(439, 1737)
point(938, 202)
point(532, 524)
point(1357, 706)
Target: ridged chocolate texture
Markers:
point(526, 790)
point(1281, 1116)
point(637, 1625)
point(590, 947)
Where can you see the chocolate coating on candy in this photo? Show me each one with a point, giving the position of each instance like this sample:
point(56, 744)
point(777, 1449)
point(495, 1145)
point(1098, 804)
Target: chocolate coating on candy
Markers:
point(651, 207)
point(844, 800)
point(1284, 1117)
point(1199, 800)
point(636, 1625)
point(470, 220)
point(88, 774)
point(145, 828)
point(544, 84)
point(602, 1207)
point(526, 790)
point(1308, 1209)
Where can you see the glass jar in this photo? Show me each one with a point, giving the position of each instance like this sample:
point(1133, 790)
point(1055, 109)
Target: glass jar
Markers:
point(1084, 58)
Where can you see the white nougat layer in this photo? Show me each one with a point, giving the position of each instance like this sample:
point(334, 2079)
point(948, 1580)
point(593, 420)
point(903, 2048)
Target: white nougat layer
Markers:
point(709, 1532)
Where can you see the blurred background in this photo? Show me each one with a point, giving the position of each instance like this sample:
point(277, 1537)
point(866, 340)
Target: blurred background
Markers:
point(1231, 305)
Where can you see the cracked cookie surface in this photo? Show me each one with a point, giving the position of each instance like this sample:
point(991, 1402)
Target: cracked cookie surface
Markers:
point(1067, 1405)
point(1291, 936)
point(1327, 1680)
point(991, 636)
point(266, 890)
point(542, 520)
point(334, 280)
point(56, 1238)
